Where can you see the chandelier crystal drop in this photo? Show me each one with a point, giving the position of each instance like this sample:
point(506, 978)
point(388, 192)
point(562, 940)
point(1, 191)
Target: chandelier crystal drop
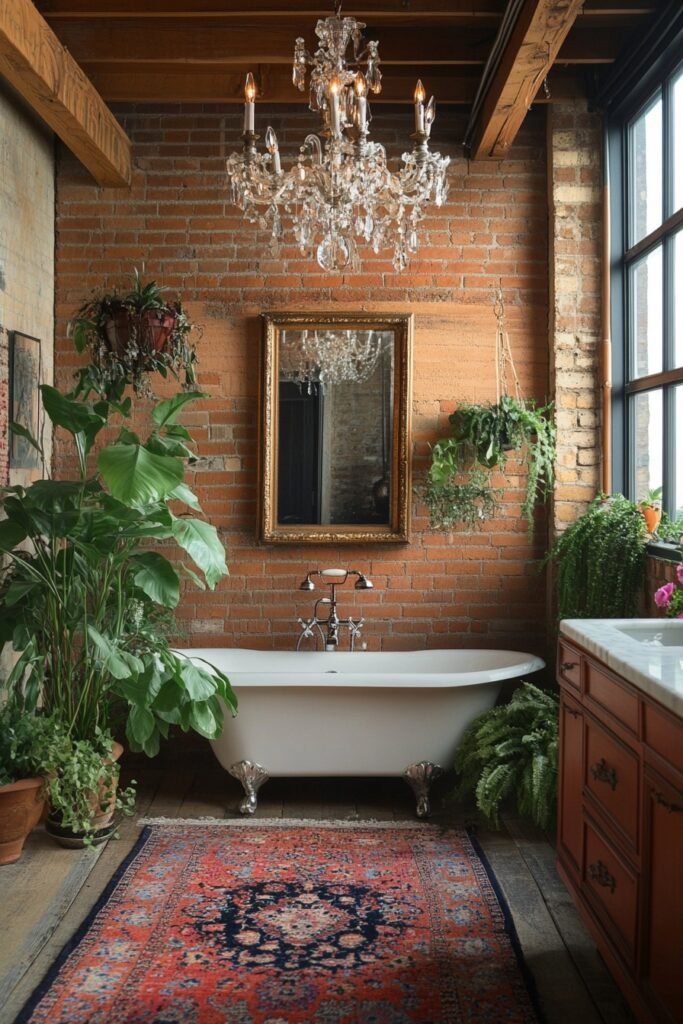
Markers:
point(339, 193)
point(318, 358)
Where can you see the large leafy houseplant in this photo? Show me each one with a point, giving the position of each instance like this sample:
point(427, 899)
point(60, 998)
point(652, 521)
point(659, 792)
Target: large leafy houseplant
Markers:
point(130, 335)
point(84, 597)
point(600, 561)
point(509, 753)
point(482, 437)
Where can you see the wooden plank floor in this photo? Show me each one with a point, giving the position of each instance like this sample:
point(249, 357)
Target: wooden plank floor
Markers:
point(46, 895)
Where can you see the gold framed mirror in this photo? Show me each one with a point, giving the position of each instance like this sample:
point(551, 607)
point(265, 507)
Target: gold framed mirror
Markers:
point(335, 428)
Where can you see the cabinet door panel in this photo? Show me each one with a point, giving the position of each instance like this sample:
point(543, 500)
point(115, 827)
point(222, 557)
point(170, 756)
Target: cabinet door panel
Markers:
point(611, 777)
point(612, 890)
point(663, 959)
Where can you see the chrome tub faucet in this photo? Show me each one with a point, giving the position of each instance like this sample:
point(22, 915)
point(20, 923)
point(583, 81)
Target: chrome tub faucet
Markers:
point(327, 628)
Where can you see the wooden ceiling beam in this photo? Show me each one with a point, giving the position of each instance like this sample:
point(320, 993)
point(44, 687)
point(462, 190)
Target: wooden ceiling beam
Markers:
point(539, 32)
point(133, 83)
point(34, 61)
point(213, 41)
point(164, 9)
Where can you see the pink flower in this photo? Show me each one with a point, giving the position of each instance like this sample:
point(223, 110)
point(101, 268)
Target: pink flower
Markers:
point(679, 573)
point(664, 594)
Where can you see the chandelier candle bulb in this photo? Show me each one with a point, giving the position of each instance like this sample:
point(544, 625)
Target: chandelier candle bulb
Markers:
point(249, 96)
point(360, 88)
point(419, 107)
point(334, 105)
point(273, 149)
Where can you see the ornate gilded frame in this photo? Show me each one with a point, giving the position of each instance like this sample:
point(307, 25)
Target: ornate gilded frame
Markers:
point(398, 528)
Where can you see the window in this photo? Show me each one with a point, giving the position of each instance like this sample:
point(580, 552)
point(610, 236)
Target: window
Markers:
point(647, 284)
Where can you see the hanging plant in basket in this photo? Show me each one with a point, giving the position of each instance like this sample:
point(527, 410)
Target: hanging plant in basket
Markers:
point(131, 335)
point(459, 488)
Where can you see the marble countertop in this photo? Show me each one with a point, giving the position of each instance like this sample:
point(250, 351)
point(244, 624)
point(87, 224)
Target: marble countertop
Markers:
point(652, 667)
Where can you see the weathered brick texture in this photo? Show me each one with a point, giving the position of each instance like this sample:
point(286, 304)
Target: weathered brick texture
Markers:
point(574, 185)
point(440, 590)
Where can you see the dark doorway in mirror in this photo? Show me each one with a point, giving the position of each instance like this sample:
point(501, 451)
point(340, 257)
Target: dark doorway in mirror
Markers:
point(299, 462)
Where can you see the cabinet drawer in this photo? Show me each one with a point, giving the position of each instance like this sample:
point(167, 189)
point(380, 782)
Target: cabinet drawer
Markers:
point(569, 665)
point(612, 696)
point(664, 734)
point(611, 890)
point(611, 776)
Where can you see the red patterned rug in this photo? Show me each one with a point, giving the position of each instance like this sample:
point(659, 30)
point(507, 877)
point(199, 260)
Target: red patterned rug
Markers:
point(285, 923)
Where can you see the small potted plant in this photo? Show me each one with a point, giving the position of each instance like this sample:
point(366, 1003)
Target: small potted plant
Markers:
point(85, 600)
point(669, 597)
point(651, 509)
point(25, 743)
point(130, 335)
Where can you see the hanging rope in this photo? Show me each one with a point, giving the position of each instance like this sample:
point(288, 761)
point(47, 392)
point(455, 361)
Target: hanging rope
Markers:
point(505, 364)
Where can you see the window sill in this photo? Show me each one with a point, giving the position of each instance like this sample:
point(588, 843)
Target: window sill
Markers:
point(664, 550)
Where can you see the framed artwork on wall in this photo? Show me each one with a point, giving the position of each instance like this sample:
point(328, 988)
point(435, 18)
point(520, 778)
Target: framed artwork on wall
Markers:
point(24, 361)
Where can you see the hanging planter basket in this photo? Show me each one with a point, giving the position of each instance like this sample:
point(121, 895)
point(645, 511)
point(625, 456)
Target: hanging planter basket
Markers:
point(130, 336)
point(149, 331)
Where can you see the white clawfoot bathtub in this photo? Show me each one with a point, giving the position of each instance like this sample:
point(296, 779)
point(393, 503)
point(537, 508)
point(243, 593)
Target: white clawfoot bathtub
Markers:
point(362, 713)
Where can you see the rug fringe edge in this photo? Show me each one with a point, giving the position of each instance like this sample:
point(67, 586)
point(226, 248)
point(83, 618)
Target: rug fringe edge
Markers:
point(288, 822)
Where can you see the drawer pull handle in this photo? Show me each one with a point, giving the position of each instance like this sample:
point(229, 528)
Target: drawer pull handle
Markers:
point(599, 873)
point(567, 666)
point(602, 772)
point(572, 712)
point(671, 808)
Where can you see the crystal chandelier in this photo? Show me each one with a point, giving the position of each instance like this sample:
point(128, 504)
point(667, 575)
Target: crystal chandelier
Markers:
point(340, 191)
point(317, 358)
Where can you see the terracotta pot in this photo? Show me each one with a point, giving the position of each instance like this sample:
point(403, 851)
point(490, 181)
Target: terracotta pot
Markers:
point(102, 813)
point(152, 327)
point(21, 807)
point(158, 325)
point(117, 332)
point(652, 517)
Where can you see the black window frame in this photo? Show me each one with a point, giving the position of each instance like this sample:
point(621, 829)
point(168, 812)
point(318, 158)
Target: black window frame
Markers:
point(623, 256)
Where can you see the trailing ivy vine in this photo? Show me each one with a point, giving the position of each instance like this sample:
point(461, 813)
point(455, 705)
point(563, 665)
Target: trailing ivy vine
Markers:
point(600, 561)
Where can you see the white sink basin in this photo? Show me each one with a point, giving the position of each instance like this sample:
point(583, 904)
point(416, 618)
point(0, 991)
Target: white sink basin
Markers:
point(655, 634)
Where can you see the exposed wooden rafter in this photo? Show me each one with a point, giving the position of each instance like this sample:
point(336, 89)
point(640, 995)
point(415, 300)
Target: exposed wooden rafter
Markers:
point(36, 63)
point(534, 42)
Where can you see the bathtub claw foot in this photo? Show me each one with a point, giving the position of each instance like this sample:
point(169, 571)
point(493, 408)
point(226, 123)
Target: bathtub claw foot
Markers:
point(252, 776)
point(420, 777)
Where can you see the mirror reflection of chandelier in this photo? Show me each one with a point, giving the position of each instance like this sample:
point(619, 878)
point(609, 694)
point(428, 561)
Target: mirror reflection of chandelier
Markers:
point(340, 192)
point(316, 358)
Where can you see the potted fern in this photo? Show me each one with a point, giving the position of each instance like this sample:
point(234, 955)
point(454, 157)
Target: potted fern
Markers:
point(482, 437)
point(509, 754)
point(85, 601)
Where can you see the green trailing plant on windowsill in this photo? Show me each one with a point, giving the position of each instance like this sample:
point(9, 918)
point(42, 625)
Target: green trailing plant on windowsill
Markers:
point(600, 561)
point(482, 437)
point(509, 754)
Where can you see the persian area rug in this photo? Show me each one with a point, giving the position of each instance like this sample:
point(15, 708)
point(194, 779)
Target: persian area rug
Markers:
point(217, 922)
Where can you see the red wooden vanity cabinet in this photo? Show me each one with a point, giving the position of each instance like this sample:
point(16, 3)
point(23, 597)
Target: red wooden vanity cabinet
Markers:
point(620, 828)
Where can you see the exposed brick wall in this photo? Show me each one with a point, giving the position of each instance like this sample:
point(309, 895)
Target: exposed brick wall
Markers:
point(440, 590)
point(574, 183)
point(26, 248)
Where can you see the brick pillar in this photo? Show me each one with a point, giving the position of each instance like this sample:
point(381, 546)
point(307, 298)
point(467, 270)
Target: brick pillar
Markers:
point(575, 205)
